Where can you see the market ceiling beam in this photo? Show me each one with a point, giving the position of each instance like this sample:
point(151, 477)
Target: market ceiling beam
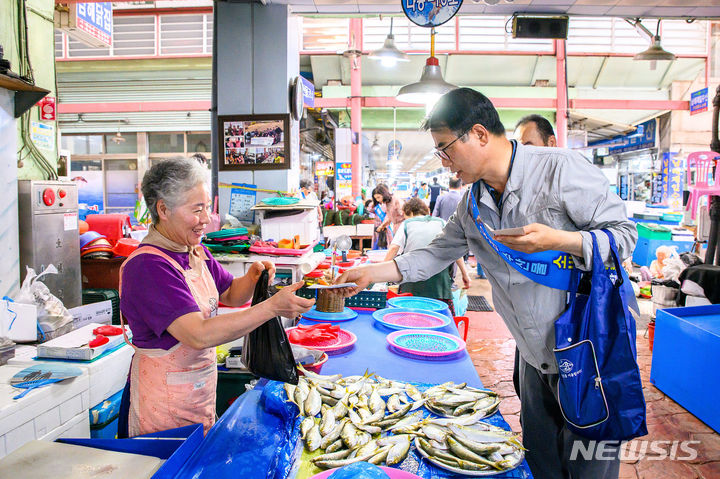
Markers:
point(134, 107)
point(383, 102)
point(602, 104)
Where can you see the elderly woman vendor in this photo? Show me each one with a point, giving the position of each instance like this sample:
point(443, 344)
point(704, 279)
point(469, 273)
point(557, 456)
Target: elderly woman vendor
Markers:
point(170, 288)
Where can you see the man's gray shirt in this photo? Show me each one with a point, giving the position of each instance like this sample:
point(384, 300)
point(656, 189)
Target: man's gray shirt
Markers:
point(552, 186)
point(447, 204)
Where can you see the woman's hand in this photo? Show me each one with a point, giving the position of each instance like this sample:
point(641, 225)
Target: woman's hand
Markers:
point(466, 280)
point(256, 269)
point(287, 304)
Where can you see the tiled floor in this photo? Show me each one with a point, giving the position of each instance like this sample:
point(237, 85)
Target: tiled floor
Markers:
point(492, 349)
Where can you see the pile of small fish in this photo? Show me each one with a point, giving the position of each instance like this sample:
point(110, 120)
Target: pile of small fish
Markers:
point(482, 449)
point(353, 415)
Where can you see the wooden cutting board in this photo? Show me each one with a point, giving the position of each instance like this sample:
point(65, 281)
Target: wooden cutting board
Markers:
point(61, 461)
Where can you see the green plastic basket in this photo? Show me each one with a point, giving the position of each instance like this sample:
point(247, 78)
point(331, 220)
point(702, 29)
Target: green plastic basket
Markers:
point(218, 248)
point(228, 233)
point(364, 299)
point(654, 231)
point(96, 295)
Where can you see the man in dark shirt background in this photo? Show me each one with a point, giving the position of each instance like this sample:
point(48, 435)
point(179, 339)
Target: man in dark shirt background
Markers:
point(435, 189)
point(447, 204)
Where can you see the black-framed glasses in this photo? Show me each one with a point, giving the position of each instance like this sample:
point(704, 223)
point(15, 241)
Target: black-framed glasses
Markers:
point(441, 152)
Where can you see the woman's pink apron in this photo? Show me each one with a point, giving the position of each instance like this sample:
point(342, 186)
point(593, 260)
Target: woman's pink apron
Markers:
point(175, 387)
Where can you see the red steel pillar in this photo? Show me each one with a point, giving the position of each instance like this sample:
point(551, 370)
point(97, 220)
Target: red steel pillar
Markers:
point(561, 121)
point(356, 103)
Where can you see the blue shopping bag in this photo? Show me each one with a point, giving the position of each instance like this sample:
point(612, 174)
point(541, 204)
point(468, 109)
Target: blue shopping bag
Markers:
point(599, 386)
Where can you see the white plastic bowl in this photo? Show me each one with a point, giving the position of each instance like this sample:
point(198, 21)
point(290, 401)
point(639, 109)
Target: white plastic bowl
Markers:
point(376, 255)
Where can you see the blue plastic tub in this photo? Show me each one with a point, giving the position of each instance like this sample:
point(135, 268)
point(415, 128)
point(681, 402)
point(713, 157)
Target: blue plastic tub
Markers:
point(686, 353)
point(107, 430)
point(104, 416)
point(644, 253)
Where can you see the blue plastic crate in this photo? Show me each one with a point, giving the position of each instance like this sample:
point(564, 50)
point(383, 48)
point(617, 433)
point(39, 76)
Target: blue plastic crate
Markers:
point(644, 253)
point(106, 430)
point(685, 354)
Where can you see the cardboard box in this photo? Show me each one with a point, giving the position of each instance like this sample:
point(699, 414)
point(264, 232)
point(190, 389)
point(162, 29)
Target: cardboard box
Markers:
point(99, 313)
point(74, 345)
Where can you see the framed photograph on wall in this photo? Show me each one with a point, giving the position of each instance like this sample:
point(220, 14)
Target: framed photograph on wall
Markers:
point(254, 142)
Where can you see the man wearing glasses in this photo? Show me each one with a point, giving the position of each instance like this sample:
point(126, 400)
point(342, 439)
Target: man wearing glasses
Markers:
point(558, 198)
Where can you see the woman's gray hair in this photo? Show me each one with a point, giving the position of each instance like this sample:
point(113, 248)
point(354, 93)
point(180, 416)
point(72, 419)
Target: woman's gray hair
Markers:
point(170, 180)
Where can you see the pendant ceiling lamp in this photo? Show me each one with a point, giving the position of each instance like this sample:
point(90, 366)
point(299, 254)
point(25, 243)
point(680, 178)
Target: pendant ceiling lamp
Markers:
point(656, 51)
point(389, 55)
point(431, 85)
point(118, 138)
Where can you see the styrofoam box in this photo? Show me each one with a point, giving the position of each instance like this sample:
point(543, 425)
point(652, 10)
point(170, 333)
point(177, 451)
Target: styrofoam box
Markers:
point(365, 229)
point(106, 375)
point(42, 412)
point(235, 268)
point(332, 232)
point(304, 224)
point(696, 301)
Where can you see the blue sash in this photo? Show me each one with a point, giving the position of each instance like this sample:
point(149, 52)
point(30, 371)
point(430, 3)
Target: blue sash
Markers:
point(549, 268)
point(379, 212)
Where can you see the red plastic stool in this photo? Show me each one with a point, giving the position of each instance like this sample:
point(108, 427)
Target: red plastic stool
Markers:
point(465, 321)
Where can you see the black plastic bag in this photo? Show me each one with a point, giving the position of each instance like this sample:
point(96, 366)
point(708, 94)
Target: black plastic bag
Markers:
point(266, 350)
point(382, 242)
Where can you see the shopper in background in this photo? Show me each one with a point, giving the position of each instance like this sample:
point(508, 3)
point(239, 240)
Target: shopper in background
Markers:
point(308, 193)
point(423, 191)
point(417, 231)
point(447, 203)
point(435, 189)
point(388, 216)
point(170, 288)
point(558, 198)
point(306, 190)
point(535, 130)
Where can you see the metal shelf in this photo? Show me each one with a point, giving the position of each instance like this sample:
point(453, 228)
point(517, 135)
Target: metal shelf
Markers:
point(26, 95)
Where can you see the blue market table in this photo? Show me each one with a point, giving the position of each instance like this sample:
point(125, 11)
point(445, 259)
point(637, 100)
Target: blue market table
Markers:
point(247, 441)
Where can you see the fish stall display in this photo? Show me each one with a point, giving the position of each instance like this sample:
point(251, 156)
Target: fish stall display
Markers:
point(377, 420)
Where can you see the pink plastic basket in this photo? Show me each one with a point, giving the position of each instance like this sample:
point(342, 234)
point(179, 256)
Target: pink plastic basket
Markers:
point(281, 251)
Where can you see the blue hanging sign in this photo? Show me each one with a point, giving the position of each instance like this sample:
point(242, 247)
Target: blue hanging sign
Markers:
point(96, 20)
point(643, 137)
point(430, 13)
point(394, 148)
point(672, 171)
point(699, 101)
point(308, 92)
